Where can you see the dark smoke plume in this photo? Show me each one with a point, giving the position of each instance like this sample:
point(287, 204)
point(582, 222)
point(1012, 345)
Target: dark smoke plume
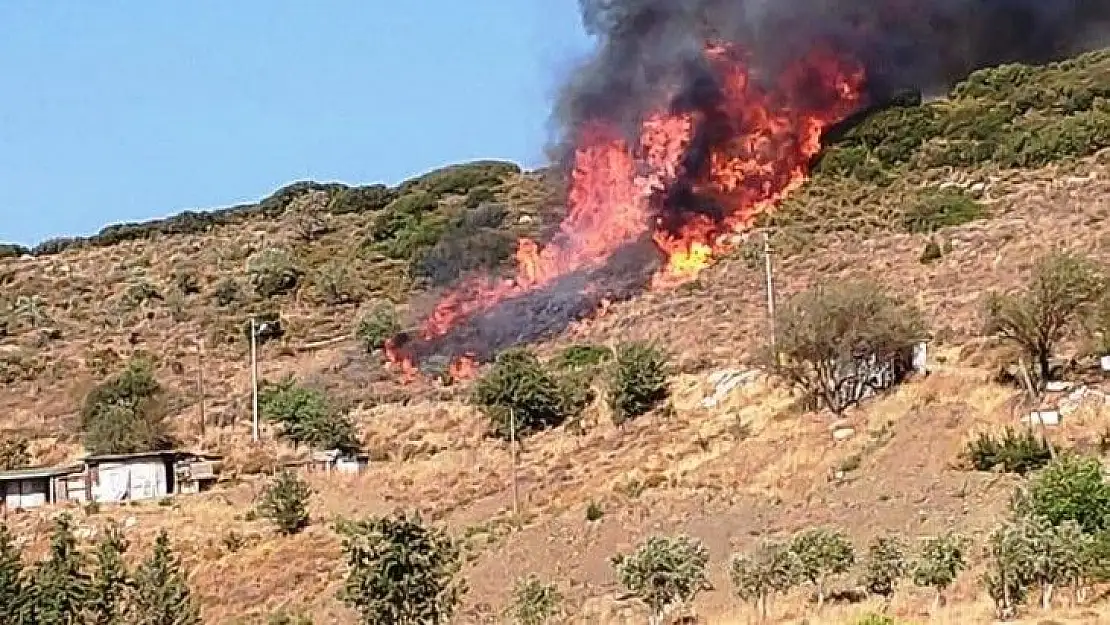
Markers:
point(646, 46)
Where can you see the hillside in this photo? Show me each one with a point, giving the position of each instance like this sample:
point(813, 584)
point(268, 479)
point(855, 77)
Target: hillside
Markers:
point(1008, 167)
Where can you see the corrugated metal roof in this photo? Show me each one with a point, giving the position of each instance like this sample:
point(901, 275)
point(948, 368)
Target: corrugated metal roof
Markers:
point(36, 472)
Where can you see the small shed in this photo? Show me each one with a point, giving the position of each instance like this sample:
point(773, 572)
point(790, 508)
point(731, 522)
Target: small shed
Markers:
point(31, 487)
point(338, 461)
point(147, 475)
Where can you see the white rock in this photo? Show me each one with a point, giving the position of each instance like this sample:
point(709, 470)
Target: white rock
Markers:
point(1055, 386)
point(843, 434)
point(1042, 417)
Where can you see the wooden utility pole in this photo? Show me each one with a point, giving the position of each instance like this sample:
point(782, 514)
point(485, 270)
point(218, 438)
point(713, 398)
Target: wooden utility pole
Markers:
point(512, 459)
point(770, 279)
point(200, 384)
point(254, 381)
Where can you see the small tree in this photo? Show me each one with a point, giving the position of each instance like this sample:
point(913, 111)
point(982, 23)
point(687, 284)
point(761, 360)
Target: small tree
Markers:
point(111, 583)
point(60, 585)
point(519, 387)
point(401, 571)
point(835, 341)
point(638, 381)
point(1063, 289)
point(285, 503)
point(821, 554)
point(13, 587)
point(941, 560)
point(884, 566)
point(1070, 488)
point(755, 579)
point(377, 325)
point(125, 414)
point(1059, 557)
point(162, 595)
point(307, 417)
point(535, 602)
point(664, 571)
point(1011, 551)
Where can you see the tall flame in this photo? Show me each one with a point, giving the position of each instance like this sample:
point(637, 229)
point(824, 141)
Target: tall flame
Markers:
point(763, 139)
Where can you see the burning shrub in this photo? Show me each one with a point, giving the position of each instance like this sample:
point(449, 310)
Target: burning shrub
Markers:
point(361, 199)
point(638, 381)
point(377, 325)
point(519, 387)
point(840, 343)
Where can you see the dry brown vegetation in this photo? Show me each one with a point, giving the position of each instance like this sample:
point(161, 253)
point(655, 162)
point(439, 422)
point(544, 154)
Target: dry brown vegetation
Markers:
point(750, 467)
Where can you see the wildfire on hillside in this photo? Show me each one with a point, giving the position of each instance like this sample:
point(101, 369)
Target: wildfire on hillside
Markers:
point(648, 212)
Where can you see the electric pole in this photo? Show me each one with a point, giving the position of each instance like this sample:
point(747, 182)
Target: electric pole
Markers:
point(254, 382)
point(512, 457)
point(770, 293)
point(200, 384)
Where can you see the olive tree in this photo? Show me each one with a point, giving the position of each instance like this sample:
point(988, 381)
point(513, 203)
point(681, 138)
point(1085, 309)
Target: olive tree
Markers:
point(1063, 288)
point(820, 554)
point(833, 341)
point(663, 572)
point(940, 562)
point(756, 578)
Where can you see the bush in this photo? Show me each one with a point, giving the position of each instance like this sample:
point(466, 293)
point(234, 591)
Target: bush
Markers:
point(228, 293)
point(457, 252)
point(460, 179)
point(285, 503)
point(14, 453)
point(272, 272)
point(839, 343)
point(941, 209)
point(125, 414)
point(940, 561)
point(401, 571)
point(638, 381)
point(361, 199)
point(1061, 292)
point(377, 325)
point(664, 571)
point(1013, 452)
point(519, 387)
point(885, 566)
point(11, 250)
point(821, 554)
point(59, 586)
point(1071, 488)
point(932, 252)
point(534, 602)
point(582, 357)
point(756, 579)
point(306, 417)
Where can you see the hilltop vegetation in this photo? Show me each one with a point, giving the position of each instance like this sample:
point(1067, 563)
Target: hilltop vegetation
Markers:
point(956, 219)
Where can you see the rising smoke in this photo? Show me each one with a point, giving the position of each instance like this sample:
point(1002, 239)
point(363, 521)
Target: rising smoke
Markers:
point(648, 48)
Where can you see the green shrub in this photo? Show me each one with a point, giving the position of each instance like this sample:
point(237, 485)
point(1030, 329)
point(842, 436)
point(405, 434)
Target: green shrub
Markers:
point(940, 562)
point(377, 325)
point(885, 565)
point(1013, 452)
point(534, 602)
point(227, 293)
point(756, 578)
point(941, 209)
point(519, 387)
point(638, 381)
point(459, 179)
point(664, 571)
point(401, 571)
point(14, 453)
point(125, 414)
point(365, 199)
point(582, 356)
point(821, 554)
point(162, 593)
point(306, 417)
point(285, 503)
point(11, 250)
point(459, 251)
point(1071, 488)
point(273, 272)
point(403, 213)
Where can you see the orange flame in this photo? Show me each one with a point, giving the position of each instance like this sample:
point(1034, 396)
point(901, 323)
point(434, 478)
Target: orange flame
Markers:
point(772, 134)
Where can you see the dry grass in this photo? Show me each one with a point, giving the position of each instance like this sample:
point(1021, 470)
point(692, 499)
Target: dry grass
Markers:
point(747, 468)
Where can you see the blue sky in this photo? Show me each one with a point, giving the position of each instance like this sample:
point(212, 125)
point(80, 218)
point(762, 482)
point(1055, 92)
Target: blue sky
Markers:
point(118, 110)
